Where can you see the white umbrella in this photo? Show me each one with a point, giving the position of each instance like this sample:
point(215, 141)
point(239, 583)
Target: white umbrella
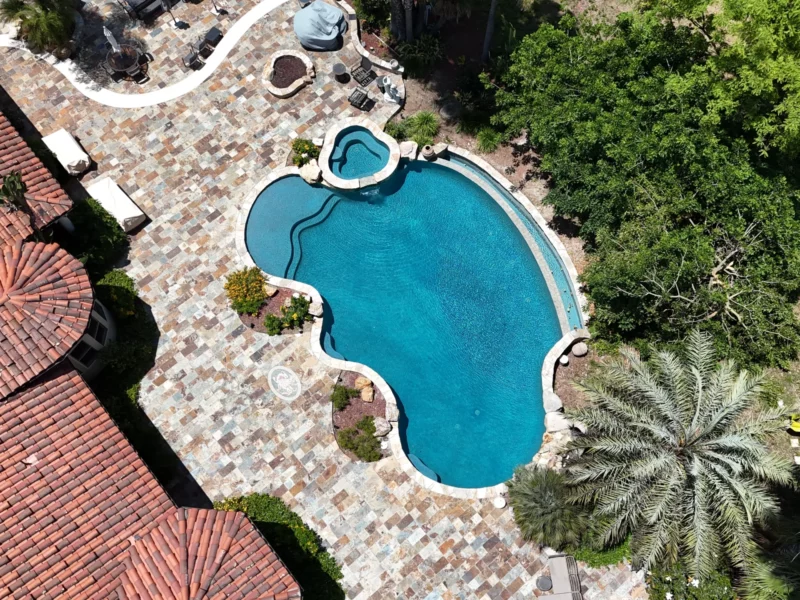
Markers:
point(112, 40)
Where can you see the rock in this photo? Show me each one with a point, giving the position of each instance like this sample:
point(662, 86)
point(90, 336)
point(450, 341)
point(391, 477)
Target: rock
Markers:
point(563, 360)
point(556, 421)
point(270, 291)
point(367, 394)
point(362, 382)
point(310, 171)
point(287, 302)
point(499, 502)
point(382, 427)
point(408, 149)
point(547, 438)
point(315, 309)
point(392, 413)
point(580, 349)
point(440, 148)
point(428, 153)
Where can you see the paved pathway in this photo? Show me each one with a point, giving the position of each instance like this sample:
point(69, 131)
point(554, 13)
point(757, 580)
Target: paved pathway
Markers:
point(188, 163)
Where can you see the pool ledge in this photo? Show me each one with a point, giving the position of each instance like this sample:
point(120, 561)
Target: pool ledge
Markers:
point(551, 401)
point(324, 161)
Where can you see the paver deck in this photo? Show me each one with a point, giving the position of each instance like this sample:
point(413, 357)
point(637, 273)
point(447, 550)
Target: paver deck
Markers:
point(189, 164)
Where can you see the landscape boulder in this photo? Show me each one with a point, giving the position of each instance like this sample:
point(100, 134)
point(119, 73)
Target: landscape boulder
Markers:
point(580, 349)
point(367, 394)
point(556, 421)
point(311, 172)
point(408, 149)
point(362, 382)
point(382, 427)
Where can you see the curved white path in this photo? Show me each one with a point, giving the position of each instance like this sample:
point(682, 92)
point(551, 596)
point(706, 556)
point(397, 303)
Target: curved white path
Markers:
point(77, 77)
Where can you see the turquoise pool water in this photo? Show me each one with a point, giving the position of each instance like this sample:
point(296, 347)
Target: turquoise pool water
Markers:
point(427, 281)
point(357, 153)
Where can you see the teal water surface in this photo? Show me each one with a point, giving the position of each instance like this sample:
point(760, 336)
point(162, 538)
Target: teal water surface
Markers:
point(357, 153)
point(426, 280)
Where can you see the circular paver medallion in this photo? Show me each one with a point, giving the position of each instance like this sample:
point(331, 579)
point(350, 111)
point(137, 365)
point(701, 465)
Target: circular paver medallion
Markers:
point(284, 383)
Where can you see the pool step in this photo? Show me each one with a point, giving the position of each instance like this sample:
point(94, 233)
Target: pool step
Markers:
point(423, 468)
point(302, 225)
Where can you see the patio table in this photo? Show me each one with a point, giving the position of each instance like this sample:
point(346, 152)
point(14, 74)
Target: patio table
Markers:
point(125, 61)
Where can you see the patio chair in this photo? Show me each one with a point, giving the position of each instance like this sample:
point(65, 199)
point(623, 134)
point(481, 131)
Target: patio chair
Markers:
point(193, 60)
point(566, 581)
point(359, 99)
point(362, 72)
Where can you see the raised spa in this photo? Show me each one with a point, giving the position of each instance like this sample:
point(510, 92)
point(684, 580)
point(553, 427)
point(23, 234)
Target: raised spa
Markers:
point(429, 281)
point(357, 153)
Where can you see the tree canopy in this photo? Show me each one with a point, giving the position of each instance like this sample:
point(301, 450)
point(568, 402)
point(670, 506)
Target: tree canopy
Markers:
point(658, 151)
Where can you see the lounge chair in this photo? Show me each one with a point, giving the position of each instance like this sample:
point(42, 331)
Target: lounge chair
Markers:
point(359, 98)
point(68, 152)
point(193, 60)
point(362, 72)
point(117, 203)
point(566, 581)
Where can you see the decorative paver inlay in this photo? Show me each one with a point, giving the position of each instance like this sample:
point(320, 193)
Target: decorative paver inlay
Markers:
point(284, 383)
point(188, 164)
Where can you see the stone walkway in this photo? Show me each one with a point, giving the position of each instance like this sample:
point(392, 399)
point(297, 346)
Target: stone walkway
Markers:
point(189, 164)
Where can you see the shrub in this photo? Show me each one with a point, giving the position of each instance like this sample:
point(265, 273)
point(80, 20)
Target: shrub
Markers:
point(422, 127)
point(341, 396)
point(542, 509)
point(117, 292)
point(361, 441)
point(273, 323)
point(396, 129)
point(246, 290)
point(98, 241)
point(676, 584)
point(604, 557)
point(296, 313)
point(44, 24)
point(373, 12)
point(304, 150)
point(421, 53)
point(488, 140)
point(294, 541)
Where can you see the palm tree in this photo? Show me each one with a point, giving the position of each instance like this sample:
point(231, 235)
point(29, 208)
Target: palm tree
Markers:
point(44, 24)
point(13, 195)
point(676, 456)
point(542, 509)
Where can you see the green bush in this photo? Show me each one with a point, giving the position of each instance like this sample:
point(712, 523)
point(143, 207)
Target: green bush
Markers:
point(602, 558)
point(98, 241)
point(420, 54)
point(304, 150)
point(44, 24)
point(682, 586)
point(294, 541)
point(296, 313)
point(246, 290)
point(341, 396)
point(396, 129)
point(488, 140)
point(273, 323)
point(361, 441)
point(373, 12)
point(117, 292)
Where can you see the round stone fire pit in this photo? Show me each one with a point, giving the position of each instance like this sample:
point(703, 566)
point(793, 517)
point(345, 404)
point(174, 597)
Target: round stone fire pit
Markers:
point(287, 72)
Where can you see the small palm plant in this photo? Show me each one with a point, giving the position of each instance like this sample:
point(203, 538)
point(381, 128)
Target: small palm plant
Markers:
point(676, 456)
point(13, 196)
point(539, 498)
point(44, 24)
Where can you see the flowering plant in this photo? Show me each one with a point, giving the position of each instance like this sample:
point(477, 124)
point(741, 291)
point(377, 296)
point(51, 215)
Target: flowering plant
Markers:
point(246, 290)
point(676, 584)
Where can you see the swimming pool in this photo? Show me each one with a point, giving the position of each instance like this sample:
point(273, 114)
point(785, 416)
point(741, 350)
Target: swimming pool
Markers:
point(357, 153)
point(427, 280)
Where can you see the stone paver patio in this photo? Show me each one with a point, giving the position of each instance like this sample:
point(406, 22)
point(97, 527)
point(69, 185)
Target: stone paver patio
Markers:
point(189, 164)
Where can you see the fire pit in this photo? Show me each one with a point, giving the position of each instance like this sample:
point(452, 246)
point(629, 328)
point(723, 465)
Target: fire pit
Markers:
point(125, 61)
point(287, 73)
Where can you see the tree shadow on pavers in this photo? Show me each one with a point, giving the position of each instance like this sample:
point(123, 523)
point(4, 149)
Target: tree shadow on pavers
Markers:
point(306, 569)
point(93, 49)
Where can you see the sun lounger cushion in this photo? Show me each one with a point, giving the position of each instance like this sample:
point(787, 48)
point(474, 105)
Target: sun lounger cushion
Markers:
point(117, 203)
point(68, 151)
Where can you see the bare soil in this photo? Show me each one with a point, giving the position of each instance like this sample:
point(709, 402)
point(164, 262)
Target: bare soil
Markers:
point(287, 70)
point(565, 378)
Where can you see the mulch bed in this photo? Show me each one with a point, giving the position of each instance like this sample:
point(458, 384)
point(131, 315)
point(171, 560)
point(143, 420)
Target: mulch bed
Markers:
point(273, 305)
point(576, 370)
point(342, 419)
point(286, 70)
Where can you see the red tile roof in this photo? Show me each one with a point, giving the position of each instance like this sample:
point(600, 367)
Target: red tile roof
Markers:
point(45, 302)
point(46, 197)
point(82, 517)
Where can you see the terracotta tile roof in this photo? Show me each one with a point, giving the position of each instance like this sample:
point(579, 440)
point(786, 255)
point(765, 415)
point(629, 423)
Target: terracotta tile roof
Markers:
point(81, 516)
point(196, 554)
point(45, 302)
point(46, 197)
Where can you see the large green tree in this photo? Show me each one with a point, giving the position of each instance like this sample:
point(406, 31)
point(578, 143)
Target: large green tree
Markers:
point(675, 455)
point(690, 225)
